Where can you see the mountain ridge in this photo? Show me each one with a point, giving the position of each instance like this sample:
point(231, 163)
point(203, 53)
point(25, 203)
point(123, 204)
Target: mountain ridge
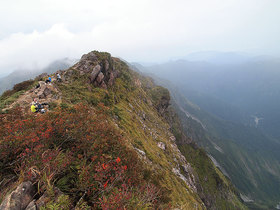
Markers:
point(126, 110)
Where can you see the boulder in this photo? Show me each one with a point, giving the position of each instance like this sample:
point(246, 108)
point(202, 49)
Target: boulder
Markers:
point(94, 63)
point(112, 78)
point(161, 145)
point(103, 85)
point(89, 57)
point(86, 62)
point(42, 84)
point(47, 92)
point(100, 77)
point(19, 198)
point(106, 66)
point(31, 206)
point(96, 70)
point(41, 202)
point(43, 90)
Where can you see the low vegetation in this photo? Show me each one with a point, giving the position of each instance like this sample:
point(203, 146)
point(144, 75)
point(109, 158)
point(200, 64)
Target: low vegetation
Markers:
point(59, 149)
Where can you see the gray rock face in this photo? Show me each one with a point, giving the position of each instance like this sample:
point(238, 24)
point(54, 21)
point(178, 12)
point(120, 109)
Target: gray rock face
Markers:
point(86, 63)
point(96, 70)
point(44, 92)
point(23, 198)
point(102, 72)
point(100, 77)
point(112, 78)
point(47, 91)
point(106, 66)
point(19, 198)
point(89, 57)
point(103, 85)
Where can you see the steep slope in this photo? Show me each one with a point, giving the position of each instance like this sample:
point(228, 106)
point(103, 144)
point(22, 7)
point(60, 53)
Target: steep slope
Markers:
point(108, 140)
point(244, 154)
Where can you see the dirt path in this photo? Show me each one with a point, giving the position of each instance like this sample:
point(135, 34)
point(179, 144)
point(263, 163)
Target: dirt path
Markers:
point(46, 93)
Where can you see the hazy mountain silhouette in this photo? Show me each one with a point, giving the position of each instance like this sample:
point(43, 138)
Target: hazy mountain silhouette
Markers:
point(232, 110)
point(8, 81)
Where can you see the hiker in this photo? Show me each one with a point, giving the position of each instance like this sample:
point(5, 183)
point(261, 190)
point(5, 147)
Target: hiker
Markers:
point(58, 77)
point(33, 108)
point(37, 107)
point(48, 80)
point(36, 103)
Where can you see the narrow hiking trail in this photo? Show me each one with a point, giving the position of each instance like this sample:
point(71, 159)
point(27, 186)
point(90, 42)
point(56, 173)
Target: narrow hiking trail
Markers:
point(45, 93)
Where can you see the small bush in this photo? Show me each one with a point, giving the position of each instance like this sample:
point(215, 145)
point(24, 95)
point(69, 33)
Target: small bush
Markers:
point(93, 101)
point(23, 85)
point(64, 106)
point(108, 99)
point(52, 105)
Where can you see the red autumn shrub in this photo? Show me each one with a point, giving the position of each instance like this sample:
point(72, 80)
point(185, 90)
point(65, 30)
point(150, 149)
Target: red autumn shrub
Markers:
point(77, 149)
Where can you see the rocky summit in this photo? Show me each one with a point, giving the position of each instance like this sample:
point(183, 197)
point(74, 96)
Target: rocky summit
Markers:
point(109, 139)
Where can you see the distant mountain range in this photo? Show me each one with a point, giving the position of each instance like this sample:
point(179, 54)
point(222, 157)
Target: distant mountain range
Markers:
point(249, 90)
point(218, 57)
point(8, 81)
point(222, 58)
point(231, 110)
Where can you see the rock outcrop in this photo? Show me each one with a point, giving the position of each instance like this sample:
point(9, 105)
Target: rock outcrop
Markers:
point(23, 198)
point(100, 66)
point(19, 198)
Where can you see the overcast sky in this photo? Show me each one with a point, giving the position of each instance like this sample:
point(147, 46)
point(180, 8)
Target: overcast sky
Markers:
point(35, 32)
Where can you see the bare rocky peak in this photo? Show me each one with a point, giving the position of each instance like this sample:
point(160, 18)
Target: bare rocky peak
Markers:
point(100, 66)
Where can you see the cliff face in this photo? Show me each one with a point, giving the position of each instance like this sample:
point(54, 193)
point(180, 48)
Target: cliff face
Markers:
point(108, 140)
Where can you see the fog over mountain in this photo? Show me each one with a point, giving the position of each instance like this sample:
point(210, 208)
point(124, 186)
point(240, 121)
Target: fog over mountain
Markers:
point(219, 60)
point(43, 31)
point(250, 88)
point(8, 80)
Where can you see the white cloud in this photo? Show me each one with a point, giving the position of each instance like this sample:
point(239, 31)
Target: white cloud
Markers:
point(35, 32)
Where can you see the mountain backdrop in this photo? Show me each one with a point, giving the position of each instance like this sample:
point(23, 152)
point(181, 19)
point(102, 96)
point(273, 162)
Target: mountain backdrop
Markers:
point(233, 110)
